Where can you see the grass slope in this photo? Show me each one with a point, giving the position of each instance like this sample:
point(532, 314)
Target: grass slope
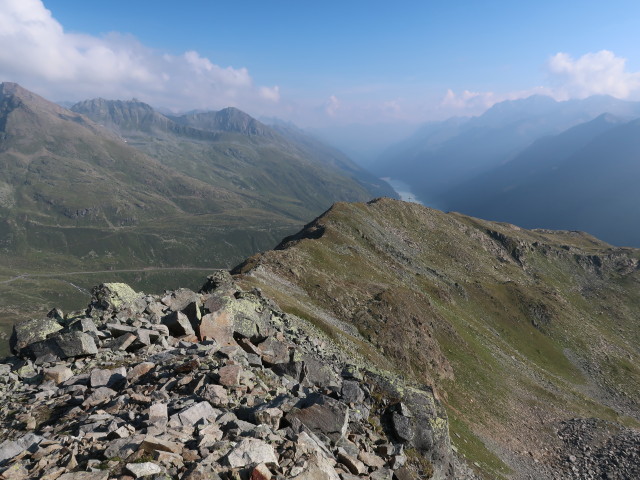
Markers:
point(516, 329)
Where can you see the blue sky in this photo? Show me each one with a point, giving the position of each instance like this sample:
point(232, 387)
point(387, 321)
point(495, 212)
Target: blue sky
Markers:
point(321, 63)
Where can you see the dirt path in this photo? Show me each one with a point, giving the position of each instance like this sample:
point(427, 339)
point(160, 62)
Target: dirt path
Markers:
point(132, 270)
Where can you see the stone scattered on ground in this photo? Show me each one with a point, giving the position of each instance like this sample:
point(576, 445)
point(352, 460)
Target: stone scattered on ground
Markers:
point(216, 384)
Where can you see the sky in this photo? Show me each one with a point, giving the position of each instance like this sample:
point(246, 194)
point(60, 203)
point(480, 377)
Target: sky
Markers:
point(322, 64)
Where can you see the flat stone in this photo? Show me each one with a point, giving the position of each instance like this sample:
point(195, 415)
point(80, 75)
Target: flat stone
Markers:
point(107, 378)
point(139, 370)
point(144, 469)
point(251, 451)
point(199, 411)
point(31, 331)
point(122, 342)
point(158, 414)
point(354, 465)
point(371, 459)
point(11, 448)
point(101, 395)
point(230, 375)
point(319, 468)
point(84, 476)
point(123, 447)
point(151, 444)
point(57, 374)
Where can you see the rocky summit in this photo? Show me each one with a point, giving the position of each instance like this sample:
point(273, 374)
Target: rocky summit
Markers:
point(215, 384)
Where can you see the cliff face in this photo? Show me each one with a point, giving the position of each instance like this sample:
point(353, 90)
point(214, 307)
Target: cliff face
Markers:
point(516, 330)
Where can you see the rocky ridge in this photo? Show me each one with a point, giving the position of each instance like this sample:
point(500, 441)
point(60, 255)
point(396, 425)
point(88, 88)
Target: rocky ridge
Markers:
point(215, 384)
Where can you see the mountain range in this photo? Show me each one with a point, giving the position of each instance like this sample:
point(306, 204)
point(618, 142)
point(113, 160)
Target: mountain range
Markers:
point(535, 162)
point(116, 186)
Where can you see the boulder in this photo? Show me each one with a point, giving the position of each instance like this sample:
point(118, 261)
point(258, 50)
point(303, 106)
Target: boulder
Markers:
point(178, 324)
point(31, 331)
point(113, 296)
point(322, 415)
point(217, 326)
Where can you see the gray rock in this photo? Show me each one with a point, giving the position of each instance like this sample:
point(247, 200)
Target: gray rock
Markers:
point(113, 296)
point(84, 476)
point(217, 326)
point(178, 324)
point(107, 378)
point(351, 392)
point(219, 280)
point(402, 427)
point(31, 331)
point(269, 416)
point(76, 344)
point(101, 395)
point(251, 451)
point(11, 448)
point(215, 394)
point(144, 469)
point(200, 411)
point(123, 447)
point(322, 415)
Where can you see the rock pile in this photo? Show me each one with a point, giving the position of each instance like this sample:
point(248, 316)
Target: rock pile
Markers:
point(216, 384)
point(596, 449)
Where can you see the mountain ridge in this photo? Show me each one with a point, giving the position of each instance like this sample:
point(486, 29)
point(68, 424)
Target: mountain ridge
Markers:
point(500, 320)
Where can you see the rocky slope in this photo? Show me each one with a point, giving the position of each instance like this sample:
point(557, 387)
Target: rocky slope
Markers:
point(216, 384)
point(518, 331)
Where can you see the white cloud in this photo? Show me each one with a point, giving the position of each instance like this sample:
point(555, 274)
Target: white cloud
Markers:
point(39, 54)
point(599, 73)
point(475, 103)
point(332, 106)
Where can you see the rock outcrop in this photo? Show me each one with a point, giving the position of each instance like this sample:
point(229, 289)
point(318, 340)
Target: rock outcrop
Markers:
point(216, 384)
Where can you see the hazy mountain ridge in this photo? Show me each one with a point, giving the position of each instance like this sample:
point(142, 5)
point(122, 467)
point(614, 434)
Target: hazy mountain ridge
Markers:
point(503, 321)
point(582, 179)
point(441, 156)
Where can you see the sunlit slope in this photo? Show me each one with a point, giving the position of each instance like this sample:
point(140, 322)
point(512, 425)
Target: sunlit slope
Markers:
point(517, 329)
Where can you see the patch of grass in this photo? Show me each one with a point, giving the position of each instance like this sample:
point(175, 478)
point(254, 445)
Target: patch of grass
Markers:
point(474, 451)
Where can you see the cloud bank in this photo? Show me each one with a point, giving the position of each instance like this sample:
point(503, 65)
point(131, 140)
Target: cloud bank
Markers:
point(599, 73)
point(39, 54)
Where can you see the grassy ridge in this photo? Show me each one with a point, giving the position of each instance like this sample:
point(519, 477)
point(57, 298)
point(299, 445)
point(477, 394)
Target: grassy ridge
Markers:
point(516, 329)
